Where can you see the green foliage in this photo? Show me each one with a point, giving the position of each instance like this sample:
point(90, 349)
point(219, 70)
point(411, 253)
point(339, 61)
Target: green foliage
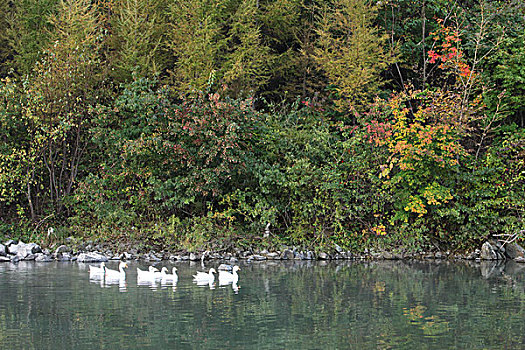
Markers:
point(193, 161)
point(138, 27)
point(351, 51)
point(28, 31)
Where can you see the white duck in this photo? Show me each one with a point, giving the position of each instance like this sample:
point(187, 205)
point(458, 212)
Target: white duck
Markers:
point(114, 274)
point(226, 277)
point(150, 274)
point(203, 277)
point(169, 277)
point(94, 270)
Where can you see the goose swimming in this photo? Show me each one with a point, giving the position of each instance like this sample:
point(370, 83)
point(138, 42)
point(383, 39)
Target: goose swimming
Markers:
point(94, 270)
point(149, 274)
point(203, 277)
point(169, 277)
point(114, 274)
point(226, 277)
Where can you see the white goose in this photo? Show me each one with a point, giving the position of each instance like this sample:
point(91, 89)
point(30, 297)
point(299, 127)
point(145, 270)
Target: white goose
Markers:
point(114, 274)
point(94, 270)
point(203, 277)
point(150, 274)
point(226, 277)
point(169, 277)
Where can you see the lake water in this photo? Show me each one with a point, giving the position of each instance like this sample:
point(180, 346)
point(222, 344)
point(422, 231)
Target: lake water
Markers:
point(293, 305)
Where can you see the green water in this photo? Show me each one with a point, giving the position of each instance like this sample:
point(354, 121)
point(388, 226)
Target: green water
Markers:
point(295, 305)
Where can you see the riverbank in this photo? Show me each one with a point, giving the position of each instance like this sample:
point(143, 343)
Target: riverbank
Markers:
point(92, 251)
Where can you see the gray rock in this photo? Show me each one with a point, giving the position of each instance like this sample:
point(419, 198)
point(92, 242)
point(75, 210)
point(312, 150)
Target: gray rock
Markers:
point(3, 250)
point(514, 251)
point(439, 255)
point(193, 257)
point(338, 249)
point(9, 242)
point(64, 257)
point(272, 256)
point(298, 256)
point(519, 259)
point(23, 250)
point(488, 252)
point(29, 257)
point(15, 258)
point(324, 256)
point(287, 254)
point(225, 267)
point(153, 257)
point(41, 257)
point(234, 259)
point(310, 255)
point(91, 257)
point(4, 259)
point(259, 257)
point(387, 256)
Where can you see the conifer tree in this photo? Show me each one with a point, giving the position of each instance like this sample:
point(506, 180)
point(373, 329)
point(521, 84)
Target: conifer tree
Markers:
point(28, 31)
point(195, 41)
point(5, 50)
point(247, 64)
point(351, 51)
point(137, 33)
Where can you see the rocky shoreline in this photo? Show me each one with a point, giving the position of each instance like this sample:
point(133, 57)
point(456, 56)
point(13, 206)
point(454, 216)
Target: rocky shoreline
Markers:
point(14, 251)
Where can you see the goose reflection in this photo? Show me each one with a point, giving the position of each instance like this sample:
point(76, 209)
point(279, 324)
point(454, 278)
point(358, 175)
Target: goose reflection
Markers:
point(208, 283)
point(148, 281)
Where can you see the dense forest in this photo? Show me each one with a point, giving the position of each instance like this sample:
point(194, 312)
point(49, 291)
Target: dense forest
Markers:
point(201, 124)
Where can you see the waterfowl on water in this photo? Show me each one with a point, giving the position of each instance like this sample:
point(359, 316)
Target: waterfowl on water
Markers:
point(147, 274)
point(165, 276)
point(226, 277)
point(95, 270)
point(114, 274)
point(203, 277)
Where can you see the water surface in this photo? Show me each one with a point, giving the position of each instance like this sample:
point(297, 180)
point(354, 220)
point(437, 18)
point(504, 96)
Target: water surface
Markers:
point(293, 305)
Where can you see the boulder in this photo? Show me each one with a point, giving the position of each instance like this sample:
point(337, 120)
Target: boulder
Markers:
point(3, 250)
point(272, 255)
point(488, 252)
point(63, 257)
point(4, 259)
point(514, 251)
point(91, 257)
point(194, 257)
point(287, 254)
point(41, 257)
point(324, 256)
point(23, 250)
point(225, 267)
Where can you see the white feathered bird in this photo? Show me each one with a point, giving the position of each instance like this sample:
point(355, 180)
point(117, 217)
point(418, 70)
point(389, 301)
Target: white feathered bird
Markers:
point(203, 277)
point(226, 277)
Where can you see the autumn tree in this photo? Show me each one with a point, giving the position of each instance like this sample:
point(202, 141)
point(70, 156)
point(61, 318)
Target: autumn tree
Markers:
point(45, 115)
